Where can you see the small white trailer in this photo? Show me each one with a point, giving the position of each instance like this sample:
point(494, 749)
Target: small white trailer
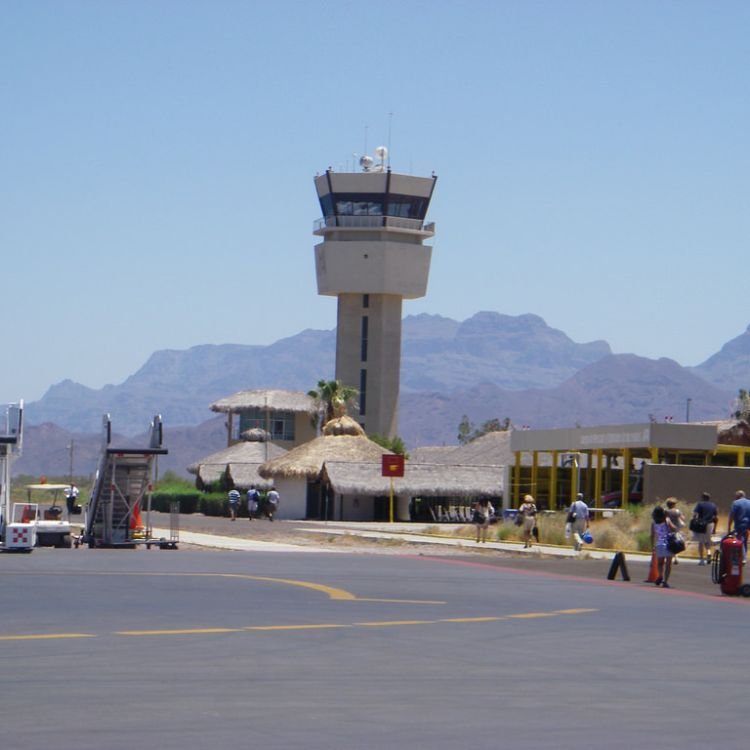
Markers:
point(17, 527)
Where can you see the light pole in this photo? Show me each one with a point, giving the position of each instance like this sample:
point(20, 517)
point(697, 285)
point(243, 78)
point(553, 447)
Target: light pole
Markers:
point(687, 410)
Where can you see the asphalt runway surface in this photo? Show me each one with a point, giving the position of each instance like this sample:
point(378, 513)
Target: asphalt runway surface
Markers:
point(194, 648)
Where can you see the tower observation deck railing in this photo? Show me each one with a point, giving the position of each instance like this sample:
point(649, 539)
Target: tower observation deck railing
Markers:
point(373, 222)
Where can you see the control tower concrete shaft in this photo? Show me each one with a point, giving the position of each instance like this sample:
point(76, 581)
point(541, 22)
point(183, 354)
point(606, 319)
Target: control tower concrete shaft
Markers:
point(372, 257)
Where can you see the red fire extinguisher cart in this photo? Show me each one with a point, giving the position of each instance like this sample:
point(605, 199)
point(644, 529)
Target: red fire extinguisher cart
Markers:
point(728, 567)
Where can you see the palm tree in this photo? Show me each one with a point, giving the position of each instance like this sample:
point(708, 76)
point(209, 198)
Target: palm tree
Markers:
point(332, 399)
point(742, 405)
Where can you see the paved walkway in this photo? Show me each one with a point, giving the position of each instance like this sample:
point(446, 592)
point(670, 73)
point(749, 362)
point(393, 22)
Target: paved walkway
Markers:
point(217, 541)
point(408, 533)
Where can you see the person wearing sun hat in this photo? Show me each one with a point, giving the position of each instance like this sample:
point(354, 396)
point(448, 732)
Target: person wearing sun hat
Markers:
point(527, 514)
point(677, 517)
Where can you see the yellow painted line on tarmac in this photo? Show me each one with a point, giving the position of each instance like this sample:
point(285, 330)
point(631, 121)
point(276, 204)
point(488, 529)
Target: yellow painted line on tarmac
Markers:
point(320, 626)
point(400, 601)
point(532, 615)
point(180, 631)
point(306, 626)
point(333, 593)
point(389, 623)
point(45, 636)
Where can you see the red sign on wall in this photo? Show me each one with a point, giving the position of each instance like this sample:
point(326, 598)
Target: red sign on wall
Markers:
point(393, 466)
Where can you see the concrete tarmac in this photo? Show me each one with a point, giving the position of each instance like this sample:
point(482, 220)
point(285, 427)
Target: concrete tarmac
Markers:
point(304, 643)
point(410, 538)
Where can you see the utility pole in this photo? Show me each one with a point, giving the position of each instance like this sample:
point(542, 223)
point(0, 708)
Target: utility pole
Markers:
point(70, 450)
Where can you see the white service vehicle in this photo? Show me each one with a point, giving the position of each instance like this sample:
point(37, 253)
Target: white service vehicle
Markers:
point(44, 508)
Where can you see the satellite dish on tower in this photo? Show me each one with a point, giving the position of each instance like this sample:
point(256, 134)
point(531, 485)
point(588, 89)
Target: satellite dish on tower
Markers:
point(381, 152)
point(366, 162)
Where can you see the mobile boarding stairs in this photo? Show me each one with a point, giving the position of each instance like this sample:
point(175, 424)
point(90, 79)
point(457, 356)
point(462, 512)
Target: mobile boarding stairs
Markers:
point(121, 495)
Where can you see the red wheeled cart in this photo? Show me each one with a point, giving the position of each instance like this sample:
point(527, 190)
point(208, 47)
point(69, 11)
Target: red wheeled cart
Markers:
point(728, 567)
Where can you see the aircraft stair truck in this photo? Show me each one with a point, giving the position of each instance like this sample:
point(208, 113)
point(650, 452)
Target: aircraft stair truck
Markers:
point(122, 489)
point(17, 528)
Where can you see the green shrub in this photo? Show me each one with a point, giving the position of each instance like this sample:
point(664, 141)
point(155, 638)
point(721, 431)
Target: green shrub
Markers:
point(506, 532)
point(216, 504)
point(161, 501)
point(643, 541)
point(171, 482)
point(192, 501)
point(552, 529)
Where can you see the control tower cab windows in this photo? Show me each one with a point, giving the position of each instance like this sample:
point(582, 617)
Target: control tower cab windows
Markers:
point(401, 206)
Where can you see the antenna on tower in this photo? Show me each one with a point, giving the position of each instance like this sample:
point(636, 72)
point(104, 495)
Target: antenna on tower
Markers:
point(390, 120)
point(382, 153)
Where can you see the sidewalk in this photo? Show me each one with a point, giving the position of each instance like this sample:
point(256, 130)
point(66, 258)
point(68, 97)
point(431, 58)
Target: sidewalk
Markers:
point(409, 532)
point(243, 537)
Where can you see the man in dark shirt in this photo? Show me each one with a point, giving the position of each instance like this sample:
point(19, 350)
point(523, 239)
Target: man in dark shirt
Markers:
point(739, 515)
point(703, 526)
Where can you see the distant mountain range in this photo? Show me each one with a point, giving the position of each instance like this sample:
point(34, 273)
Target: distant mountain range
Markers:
point(490, 365)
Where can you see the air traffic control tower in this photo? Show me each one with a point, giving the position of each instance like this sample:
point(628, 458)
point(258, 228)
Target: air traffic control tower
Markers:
point(372, 257)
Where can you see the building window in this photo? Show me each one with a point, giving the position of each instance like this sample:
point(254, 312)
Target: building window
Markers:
point(363, 339)
point(374, 204)
point(365, 300)
point(362, 392)
point(278, 424)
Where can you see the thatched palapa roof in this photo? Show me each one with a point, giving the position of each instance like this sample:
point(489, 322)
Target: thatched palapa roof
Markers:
point(343, 440)
point(491, 449)
point(431, 454)
point(208, 473)
point(273, 400)
point(419, 480)
point(734, 432)
point(240, 461)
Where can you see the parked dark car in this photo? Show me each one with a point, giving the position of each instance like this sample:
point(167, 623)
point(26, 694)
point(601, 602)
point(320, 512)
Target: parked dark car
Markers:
point(614, 499)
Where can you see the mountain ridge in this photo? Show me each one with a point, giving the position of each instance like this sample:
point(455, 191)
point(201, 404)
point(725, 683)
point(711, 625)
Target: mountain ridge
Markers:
point(488, 366)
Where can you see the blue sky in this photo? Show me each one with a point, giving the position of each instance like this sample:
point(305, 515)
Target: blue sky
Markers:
point(156, 185)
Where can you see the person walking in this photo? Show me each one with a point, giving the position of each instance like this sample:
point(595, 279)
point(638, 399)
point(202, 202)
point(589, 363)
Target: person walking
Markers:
point(660, 529)
point(677, 518)
point(272, 503)
point(253, 497)
point(739, 517)
point(527, 514)
point(703, 525)
point(234, 501)
point(578, 517)
point(480, 517)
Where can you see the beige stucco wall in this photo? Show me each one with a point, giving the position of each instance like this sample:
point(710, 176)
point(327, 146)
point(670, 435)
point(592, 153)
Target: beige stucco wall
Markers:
point(383, 363)
point(686, 483)
point(304, 429)
point(293, 498)
point(379, 267)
